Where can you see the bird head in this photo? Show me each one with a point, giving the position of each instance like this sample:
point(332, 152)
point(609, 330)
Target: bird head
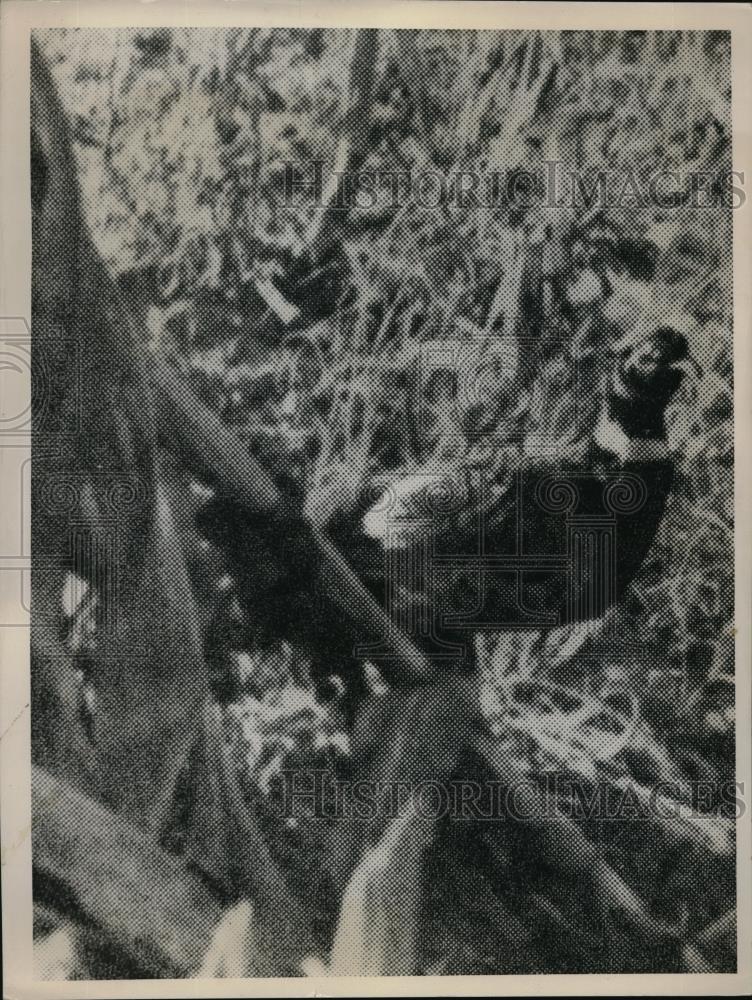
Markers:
point(650, 367)
point(656, 362)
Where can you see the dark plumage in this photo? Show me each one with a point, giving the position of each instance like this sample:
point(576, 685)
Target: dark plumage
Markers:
point(456, 550)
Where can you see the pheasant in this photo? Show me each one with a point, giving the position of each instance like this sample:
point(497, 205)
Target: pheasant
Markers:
point(524, 540)
point(514, 541)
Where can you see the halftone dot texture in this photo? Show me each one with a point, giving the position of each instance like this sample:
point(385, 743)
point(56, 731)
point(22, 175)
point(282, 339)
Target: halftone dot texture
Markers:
point(401, 363)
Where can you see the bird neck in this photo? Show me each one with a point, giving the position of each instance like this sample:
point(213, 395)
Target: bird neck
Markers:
point(631, 425)
point(640, 411)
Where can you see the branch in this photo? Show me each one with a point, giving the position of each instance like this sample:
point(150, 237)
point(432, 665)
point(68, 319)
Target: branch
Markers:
point(143, 902)
point(208, 446)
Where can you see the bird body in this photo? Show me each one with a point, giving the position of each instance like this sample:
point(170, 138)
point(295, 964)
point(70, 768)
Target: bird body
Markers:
point(507, 539)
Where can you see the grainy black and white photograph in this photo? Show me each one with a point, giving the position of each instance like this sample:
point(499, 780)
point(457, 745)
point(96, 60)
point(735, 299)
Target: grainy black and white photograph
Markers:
point(382, 599)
